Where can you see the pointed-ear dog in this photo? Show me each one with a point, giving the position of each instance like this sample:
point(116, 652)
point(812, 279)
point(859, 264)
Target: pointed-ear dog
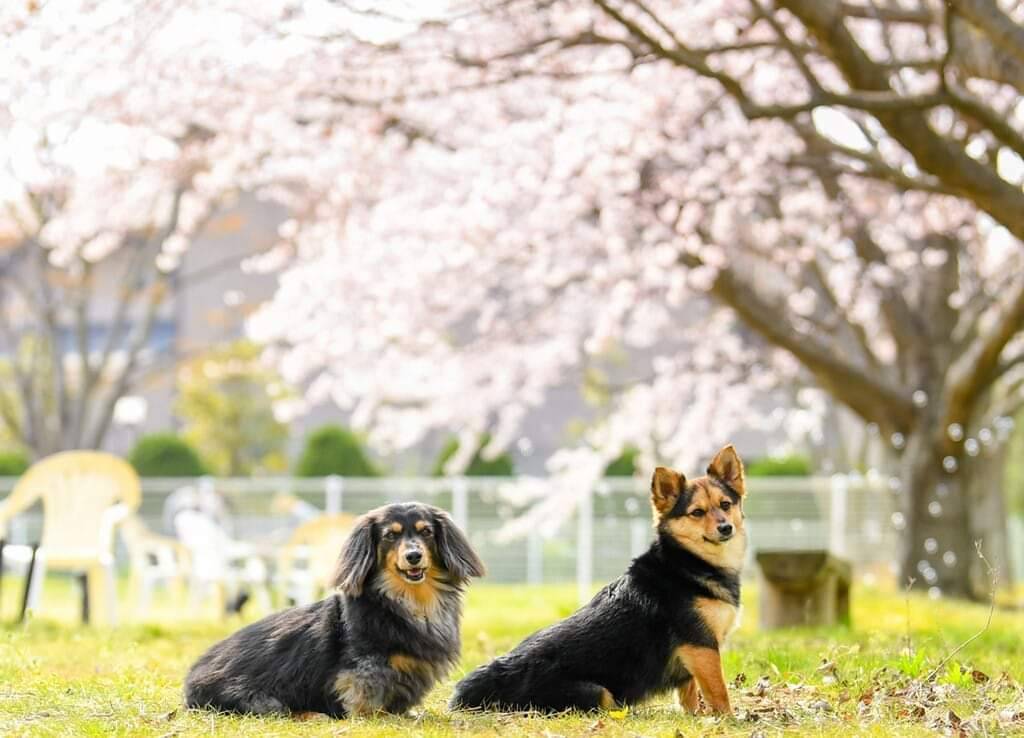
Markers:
point(659, 627)
point(378, 645)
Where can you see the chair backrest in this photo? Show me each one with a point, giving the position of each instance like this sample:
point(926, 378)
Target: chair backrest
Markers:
point(84, 493)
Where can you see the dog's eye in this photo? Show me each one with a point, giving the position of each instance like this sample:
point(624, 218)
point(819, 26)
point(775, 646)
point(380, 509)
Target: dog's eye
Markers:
point(726, 504)
point(426, 532)
point(697, 513)
point(390, 535)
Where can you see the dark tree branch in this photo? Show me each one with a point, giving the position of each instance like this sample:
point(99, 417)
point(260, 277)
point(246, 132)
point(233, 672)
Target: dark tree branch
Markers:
point(888, 13)
point(157, 292)
point(867, 395)
point(1008, 364)
point(970, 106)
point(934, 154)
point(977, 367)
point(1000, 29)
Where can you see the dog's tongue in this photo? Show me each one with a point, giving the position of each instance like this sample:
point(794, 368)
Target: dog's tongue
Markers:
point(414, 573)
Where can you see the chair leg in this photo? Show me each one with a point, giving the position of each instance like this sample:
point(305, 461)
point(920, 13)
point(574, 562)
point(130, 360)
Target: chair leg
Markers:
point(35, 590)
point(83, 583)
point(101, 597)
point(30, 582)
point(2, 544)
point(144, 594)
point(109, 581)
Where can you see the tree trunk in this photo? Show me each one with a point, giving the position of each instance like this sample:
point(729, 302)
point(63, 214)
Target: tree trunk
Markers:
point(986, 500)
point(937, 551)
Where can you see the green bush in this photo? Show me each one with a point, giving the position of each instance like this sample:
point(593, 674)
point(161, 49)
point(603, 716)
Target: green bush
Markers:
point(165, 455)
point(624, 465)
point(332, 449)
point(13, 463)
point(501, 466)
point(779, 466)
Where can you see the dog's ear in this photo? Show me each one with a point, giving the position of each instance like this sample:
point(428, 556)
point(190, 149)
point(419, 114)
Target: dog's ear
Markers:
point(666, 485)
point(358, 557)
point(727, 467)
point(457, 556)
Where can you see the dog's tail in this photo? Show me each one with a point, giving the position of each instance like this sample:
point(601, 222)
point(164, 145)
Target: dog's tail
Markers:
point(478, 690)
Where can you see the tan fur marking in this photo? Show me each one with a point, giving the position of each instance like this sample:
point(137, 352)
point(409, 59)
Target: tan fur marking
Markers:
point(607, 701)
point(408, 664)
point(706, 666)
point(688, 697)
point(421, 598)
point(396, 527)
point(720, 617)
point(420, 525)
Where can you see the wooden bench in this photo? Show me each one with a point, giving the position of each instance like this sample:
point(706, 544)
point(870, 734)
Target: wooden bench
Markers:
point(803, 588)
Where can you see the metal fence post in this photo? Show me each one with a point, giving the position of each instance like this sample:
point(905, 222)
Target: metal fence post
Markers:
point(639, 536)
point(585, 546)
point(837, 511)
point(334, 489)
point(534, 558)
point(460, 504)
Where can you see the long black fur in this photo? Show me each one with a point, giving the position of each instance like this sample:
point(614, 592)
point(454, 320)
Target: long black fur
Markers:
point(322, 657)
point(622, 640)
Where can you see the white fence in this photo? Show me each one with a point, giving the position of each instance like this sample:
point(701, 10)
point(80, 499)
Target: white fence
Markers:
point(849, 515)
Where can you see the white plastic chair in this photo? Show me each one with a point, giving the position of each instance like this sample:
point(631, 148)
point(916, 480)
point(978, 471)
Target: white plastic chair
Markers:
point(156, 560)
point(220, 566)
point(85, 494)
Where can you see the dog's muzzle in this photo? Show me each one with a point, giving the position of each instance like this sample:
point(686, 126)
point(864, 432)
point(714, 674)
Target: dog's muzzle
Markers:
point(414, 575)
point(413, 571)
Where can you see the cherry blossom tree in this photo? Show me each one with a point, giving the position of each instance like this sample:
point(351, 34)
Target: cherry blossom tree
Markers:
point(123, 127)
point(490, 197)
point(741, 191)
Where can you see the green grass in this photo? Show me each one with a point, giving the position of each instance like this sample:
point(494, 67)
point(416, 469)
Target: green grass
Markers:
point(59, 679)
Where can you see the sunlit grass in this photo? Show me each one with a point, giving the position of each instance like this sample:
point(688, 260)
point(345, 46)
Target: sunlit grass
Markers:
point(61, 679)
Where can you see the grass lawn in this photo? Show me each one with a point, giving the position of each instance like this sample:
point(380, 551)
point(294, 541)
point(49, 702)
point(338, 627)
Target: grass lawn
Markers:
point(59, 679)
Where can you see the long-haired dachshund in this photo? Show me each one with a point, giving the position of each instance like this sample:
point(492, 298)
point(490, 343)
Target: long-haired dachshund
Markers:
point(660, 626)
point(377, 646)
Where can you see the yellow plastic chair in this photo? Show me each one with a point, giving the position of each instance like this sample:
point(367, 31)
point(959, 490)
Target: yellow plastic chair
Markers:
point(85, 494)
point(306, 563)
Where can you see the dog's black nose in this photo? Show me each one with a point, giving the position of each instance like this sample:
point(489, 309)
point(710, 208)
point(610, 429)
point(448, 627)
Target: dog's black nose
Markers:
point(414, 557)
point(725, 529)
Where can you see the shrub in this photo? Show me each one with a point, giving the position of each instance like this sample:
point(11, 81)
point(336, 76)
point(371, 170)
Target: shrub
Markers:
point(226, 400)
point(13, 463)
point(332, 449)
point(500, 466)
point(624, 465)
point(165, 455)
point(793, 465)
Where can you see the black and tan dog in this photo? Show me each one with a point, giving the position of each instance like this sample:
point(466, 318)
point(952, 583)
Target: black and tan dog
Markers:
point(377, 646)
point(658, 627)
